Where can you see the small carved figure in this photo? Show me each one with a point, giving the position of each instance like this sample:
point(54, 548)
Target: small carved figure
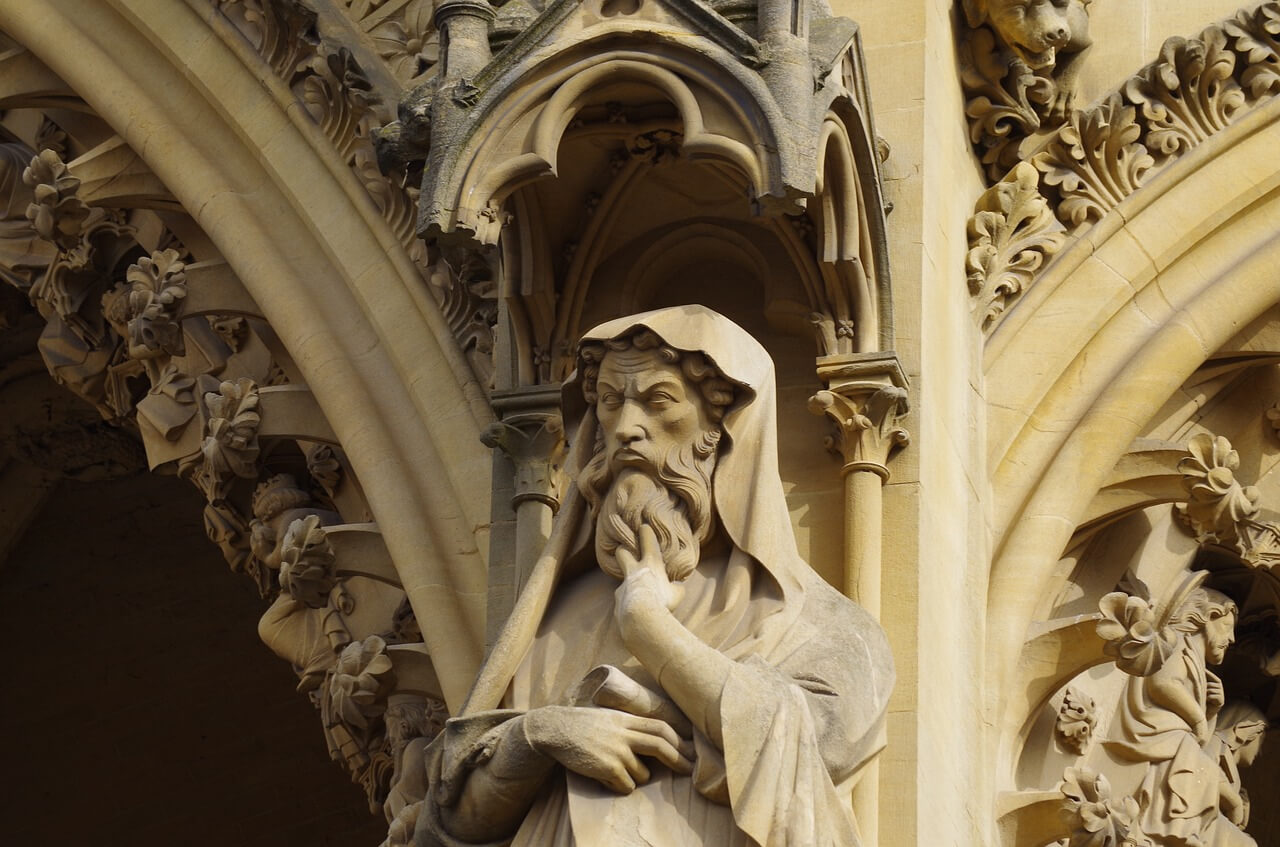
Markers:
point(674, 673)
point(1236, 742)
point(1168, 711)
point(1050, 36)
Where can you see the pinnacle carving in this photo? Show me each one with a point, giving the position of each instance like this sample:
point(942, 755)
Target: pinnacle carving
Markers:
point(867, 425)
point(1012, 235)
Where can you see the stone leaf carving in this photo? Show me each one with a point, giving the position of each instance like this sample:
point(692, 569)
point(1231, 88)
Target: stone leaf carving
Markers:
point(1097, 818)
point(1132, 635)
point(1255, 34)
point(1076, 719)
point(1012, 234)
point(1002, 95)
point(324, 467)
point(353, 699)
point(360, 682)
point(339, 97)
point(282, 31)
point(1095, 161)
point(156, 285)
point(411, 44)
point(1217, 503)
point(230, 447)
point(307, 563)
point(1188, 94)
point(56, 212)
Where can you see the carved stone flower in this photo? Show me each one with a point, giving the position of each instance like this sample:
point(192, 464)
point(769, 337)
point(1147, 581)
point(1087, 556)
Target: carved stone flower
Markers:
point(156, 285)
point(56, 213)
point(1100, 820)
point(231, 445)
point(410, 46)
point(362, 679)
point(1128, 626)
point(307, 562)
point(1217, 503)
point(1076, 720)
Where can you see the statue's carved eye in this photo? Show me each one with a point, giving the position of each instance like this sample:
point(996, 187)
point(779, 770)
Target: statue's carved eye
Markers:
point(661, 398)
point(611, 399)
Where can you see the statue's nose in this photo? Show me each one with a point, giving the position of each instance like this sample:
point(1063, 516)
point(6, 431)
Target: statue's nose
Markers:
point(629, 428)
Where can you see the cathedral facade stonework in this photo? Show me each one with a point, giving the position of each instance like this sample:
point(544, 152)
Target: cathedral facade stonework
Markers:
point(643, 421)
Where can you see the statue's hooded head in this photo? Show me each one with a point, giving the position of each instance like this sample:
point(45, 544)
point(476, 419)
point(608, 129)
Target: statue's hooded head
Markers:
point(683, 405)
point(716, 432)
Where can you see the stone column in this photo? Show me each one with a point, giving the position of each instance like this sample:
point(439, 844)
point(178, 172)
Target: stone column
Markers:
point(530, 435)
point(866, 397)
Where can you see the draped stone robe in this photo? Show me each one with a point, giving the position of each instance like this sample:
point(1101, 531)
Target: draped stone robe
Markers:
point(799, 714)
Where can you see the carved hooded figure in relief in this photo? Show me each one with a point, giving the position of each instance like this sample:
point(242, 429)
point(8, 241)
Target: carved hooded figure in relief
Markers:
point(674, 673)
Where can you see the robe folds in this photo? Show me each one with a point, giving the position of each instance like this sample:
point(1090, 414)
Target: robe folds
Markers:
point(801, 713)
point(801, 710)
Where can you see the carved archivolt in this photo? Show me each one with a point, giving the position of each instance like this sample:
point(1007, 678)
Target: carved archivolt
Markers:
point(1104, 153)
point(1152, 721)
point(177, 353)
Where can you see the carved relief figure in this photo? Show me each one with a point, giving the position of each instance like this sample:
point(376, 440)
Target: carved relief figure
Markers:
point(1050, 36)
point(1169, 708)
point(689, 680)
point(1236, 743)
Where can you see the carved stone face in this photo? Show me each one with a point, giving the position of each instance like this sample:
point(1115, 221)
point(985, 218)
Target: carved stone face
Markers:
point(1219, 634)
point(1037, 29)
point(646, 407)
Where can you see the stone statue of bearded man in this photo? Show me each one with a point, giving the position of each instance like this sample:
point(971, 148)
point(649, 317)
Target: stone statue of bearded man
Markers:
point(673, 674)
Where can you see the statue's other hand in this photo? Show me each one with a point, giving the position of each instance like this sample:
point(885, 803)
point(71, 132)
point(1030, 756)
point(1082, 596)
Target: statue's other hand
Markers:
point(605, 744)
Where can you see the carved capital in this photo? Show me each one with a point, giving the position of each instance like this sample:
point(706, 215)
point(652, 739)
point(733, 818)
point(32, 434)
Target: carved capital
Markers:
point(534, 441)
point(866, 398)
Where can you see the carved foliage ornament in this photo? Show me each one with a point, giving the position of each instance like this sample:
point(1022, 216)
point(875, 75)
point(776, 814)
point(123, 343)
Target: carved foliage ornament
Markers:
point(1099, 819)
point(57, 213)
point(1095, 161)
point(156, 285)
point(1076, 719)
point(230, 447)
point(1011, 236)
point(1196, 88)
point(1217, 503)
point(307, 563)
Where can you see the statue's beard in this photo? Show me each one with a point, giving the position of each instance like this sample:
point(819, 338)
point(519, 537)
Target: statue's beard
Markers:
point(673, 498)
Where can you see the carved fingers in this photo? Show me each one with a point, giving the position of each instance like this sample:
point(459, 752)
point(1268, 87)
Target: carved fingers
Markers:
point(607, 745)
point(645, 577)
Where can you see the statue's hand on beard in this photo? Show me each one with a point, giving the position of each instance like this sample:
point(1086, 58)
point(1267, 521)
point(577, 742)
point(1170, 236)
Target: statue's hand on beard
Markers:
point(645, 577)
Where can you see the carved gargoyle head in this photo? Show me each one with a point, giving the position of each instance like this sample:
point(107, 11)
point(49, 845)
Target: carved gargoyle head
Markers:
point(1035, 30)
